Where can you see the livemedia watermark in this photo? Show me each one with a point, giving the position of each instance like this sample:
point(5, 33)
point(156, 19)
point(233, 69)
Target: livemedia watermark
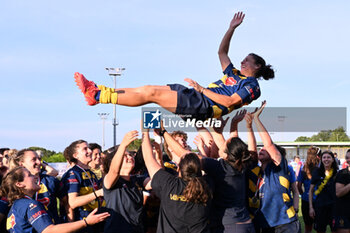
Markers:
point(275, 119)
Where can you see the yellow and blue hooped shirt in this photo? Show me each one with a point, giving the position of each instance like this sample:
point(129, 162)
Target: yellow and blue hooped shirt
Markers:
point(276, 203)
point(253, 176)
point(233, 82)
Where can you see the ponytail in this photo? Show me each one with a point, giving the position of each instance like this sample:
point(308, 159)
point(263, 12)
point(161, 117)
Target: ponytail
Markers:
point(238, 155)
point(196, 190)
point(19, 156)
point(265, 71)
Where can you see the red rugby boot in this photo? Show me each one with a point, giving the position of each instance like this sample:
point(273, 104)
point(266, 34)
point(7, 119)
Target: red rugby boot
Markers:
point(88, 88)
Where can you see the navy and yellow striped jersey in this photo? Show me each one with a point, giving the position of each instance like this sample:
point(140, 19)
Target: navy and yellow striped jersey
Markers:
point(233, 82)
point(82, 182)
point(276, 203)
point(50, 189)
point(252, 176)
point(27, 215)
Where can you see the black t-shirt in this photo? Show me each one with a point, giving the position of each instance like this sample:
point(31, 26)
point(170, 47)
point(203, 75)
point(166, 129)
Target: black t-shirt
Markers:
point(124, 202)
point(327, 195)
point(229, 200)
point(343, 203)
point(176, 214)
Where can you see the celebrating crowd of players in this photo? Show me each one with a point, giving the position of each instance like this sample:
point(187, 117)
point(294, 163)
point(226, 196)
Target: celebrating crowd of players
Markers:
point(228, 186)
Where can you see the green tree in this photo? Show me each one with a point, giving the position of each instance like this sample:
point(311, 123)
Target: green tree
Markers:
point(322, 136)
point(135, 145)
point(54, 158)
point(336, 135)
point(46, 152)
point(339, 135)
point(302, 139)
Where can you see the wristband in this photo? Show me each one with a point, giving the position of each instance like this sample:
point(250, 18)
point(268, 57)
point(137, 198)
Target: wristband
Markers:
point(162, 132)
point(85, 221)
point(95, 194)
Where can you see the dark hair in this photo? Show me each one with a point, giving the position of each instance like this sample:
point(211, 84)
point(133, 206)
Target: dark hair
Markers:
point(312, 161)
point(347, 152)
point(264, 71)
point(93, 146)
point(140, 166)
point(196, 190)
point(71, 150)
point(281, 150)
point(238, 155)
point(8, 187)
point(3, 171)
point(109, 154)
point(107, 159)
point(2, 150)
point(17, 158)
point(334, 164)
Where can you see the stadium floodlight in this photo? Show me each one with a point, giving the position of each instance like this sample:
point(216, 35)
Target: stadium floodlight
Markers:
point(114, 72)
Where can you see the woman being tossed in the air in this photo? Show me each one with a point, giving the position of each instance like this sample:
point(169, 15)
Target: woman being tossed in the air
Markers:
point(236, 88)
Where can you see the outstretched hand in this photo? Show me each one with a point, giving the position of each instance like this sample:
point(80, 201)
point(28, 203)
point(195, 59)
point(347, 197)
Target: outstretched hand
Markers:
point(130, 137)
point(249, 119)
point(94, 218)
point(220, 129)
point(195, 85)
point(259, 110)
point(237, 19)
point(239, 116)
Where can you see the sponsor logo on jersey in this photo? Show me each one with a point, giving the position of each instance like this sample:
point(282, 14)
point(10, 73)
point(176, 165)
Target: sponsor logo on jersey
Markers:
point(230, 81)
point(32, 206)
point(37, 215)
point(11, 222)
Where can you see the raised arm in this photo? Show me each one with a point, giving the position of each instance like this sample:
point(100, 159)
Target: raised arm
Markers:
point(265, 137)
point(217, 133)
point(208, 142)
point(178, 150)
point(49, 170)
point(225, 43)
point(199, 142)
point(151, 163)
point(250, 133)
point(234, 122)
point(114, 171)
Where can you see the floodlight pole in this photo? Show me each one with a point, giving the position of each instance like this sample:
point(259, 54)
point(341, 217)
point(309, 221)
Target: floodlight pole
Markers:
point(103, 117)
point(114, 72)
